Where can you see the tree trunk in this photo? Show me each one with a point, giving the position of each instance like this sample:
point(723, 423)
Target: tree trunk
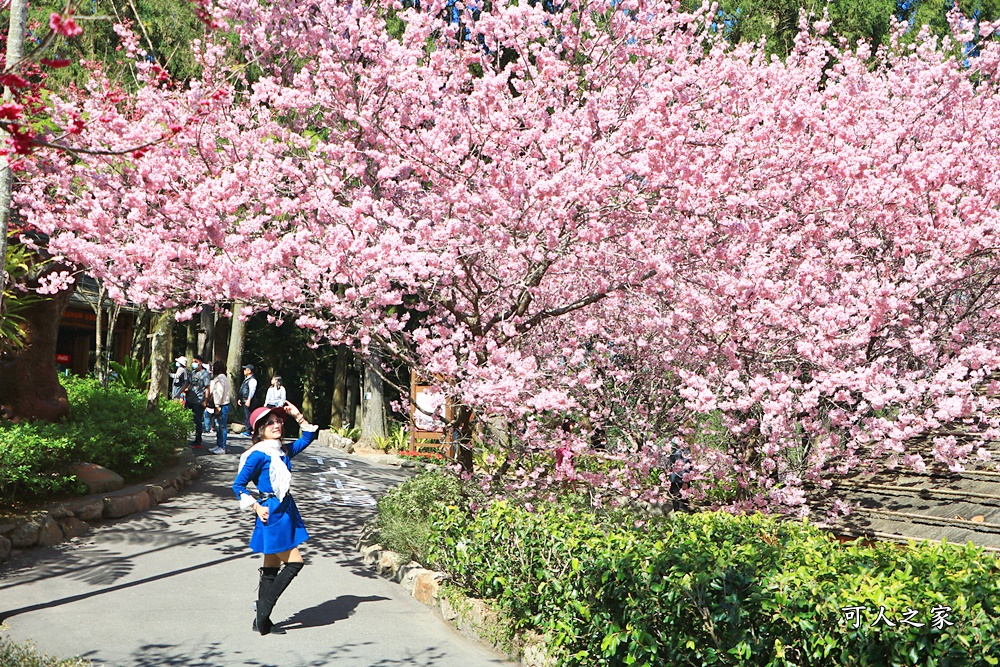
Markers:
point(353, 399)
point(207, 346)
point(338, 414)
point(113, 311)
point(29, 382)
point(221, 339)
point(98, 307)
point(462, 437)
point(191, 342)
point(309, 387)
point(15, 51)
point(373, 421)
point(237, 330)
point(160, 358)
point(142, 337)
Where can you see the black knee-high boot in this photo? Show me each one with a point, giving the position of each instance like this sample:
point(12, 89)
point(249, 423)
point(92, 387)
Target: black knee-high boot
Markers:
point(260, 622)
point(270, 592)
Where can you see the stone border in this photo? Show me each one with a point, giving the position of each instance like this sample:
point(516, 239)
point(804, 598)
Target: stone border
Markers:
point(53, 523)
point(475, 619)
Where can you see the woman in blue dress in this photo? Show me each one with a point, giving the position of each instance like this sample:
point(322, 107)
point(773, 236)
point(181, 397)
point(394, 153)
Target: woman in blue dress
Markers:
point(278, 529)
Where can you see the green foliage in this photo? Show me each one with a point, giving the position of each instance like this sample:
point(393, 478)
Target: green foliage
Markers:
point(403, 521)
point(13, 654)
point(166, 29)
point(352, 432)
point(777, 21)
point(19, 264)
point(34, 458)
point(110, 427)
point(114, 429)
point(131, 374)
point(397, 440)
point(715, 589)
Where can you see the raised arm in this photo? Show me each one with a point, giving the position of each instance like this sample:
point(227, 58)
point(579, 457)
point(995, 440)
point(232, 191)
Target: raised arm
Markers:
point(308, 430)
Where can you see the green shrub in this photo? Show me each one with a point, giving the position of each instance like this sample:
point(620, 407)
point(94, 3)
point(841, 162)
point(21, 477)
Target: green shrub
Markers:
point(114, 429)
point(131, 374)
point(397, 439)
point(109, 427)
point(714, 589)
point(33, 462)
point(403, 521)
point(26, 655)
point(350, 432)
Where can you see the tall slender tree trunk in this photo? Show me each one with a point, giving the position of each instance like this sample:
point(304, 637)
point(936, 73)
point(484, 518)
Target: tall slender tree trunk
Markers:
point(160, 357)
point(114, 310)
point(373, 421)
point(338, 406)
point(462, 436)
point(208, 327)
point(237, 332)
point(353, 415)
point(221, 342)
point(15, 51)
point(191, 342)
point(142, 336)
point(99, 369)
point(309, 387)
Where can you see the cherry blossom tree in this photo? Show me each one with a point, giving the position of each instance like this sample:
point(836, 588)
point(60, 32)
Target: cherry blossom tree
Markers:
point(603, 225)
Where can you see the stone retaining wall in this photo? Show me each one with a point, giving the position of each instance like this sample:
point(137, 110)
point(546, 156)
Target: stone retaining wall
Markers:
point(474, 618)
point(51, 524)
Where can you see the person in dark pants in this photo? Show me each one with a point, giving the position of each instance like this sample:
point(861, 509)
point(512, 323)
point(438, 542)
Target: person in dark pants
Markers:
point(221, 395)
point(196, 396)
point(278, 526)
point(677, 464)
point(245, 397)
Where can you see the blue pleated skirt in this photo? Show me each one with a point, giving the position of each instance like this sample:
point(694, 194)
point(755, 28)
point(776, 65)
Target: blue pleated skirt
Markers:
point(284, 529)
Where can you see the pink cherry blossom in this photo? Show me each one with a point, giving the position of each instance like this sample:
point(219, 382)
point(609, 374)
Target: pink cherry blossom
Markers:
point(631, 235)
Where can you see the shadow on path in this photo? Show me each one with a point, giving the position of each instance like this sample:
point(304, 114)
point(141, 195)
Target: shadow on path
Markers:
point(329, 612)
point(4, 615)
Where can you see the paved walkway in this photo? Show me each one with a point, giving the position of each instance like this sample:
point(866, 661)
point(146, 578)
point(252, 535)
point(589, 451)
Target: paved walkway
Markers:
point(175, 585)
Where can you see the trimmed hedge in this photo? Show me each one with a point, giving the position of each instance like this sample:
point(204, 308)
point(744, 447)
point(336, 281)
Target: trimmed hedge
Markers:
point(109, 427)
point(718, 589)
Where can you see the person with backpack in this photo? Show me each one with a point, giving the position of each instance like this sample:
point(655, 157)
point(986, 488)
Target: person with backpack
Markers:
point(179, 379)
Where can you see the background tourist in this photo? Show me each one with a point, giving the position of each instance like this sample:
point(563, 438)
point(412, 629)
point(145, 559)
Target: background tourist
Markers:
point(275, 394)
point(221, 391)
point(247, 390)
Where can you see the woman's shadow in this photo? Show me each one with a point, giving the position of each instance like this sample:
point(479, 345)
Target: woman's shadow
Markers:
point(327, 613)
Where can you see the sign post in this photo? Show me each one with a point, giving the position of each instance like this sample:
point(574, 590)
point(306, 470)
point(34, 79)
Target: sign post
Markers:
point(427, 407)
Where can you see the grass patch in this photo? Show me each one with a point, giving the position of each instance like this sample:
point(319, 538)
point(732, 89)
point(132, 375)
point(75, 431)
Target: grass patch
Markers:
point(13, 654)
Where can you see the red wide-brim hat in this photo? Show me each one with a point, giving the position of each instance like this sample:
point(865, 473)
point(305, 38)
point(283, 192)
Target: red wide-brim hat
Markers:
point(260, 413)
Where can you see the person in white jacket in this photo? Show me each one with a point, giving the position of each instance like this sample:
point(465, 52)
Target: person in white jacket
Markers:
point(275, 394)
point(222, 393)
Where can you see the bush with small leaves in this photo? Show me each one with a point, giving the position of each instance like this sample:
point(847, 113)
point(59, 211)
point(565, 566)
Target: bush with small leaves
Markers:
point(718, 589)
